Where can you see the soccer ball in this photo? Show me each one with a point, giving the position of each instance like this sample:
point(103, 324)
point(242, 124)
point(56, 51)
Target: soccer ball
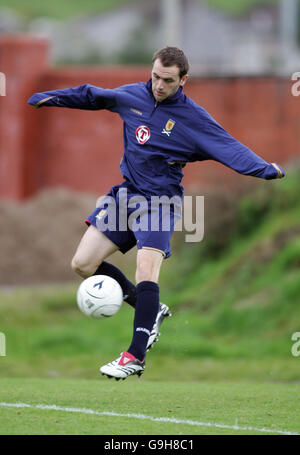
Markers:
point(99, 296)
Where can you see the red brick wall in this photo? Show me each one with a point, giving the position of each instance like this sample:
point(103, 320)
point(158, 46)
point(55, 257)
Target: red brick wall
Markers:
point(81, 150)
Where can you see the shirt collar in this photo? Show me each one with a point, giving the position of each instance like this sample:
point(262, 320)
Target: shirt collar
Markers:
point(171, 99)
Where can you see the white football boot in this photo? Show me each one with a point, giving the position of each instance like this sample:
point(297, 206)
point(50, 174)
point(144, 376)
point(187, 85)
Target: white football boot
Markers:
point(163, 312)
point(123, 366)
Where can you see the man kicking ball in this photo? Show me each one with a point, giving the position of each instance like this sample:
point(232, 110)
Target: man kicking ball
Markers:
point(163, 130)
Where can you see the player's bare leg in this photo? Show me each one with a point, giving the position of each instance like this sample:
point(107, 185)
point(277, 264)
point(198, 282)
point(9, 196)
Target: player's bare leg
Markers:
point(93, 248)
point(148, 264)
point(149, 314)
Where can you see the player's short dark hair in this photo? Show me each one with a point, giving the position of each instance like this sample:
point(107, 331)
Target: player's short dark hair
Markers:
point(170, 56)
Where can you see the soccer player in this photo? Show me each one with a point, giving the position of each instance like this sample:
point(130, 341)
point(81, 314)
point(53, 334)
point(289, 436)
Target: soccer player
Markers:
point(163, 130)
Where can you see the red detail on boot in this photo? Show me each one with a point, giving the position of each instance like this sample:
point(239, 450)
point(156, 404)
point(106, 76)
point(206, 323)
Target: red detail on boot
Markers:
point(126, 358)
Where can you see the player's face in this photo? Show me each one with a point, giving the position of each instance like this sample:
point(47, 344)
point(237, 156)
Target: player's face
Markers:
point(165, 80)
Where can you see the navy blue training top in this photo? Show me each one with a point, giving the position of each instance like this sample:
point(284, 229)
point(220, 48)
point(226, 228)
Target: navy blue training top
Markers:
point(161, 137)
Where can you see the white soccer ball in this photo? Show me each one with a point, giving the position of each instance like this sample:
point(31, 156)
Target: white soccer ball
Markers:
point(99, 296)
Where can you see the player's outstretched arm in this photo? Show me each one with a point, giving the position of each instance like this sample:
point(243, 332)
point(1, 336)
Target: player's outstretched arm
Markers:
point(215, 143)
point(82, 97)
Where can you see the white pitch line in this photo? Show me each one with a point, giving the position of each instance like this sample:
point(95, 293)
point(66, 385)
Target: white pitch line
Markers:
point(53, 407)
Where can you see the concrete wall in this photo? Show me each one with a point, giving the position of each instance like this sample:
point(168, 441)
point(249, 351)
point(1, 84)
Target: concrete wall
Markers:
point(81, 150)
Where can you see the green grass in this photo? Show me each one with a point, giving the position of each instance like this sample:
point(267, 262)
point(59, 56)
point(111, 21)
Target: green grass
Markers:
point(270, 406)
point(47, 336)
point(233, 314)
point(227, 346)
point(237, 7)
point(68, 8)
point(61, 10)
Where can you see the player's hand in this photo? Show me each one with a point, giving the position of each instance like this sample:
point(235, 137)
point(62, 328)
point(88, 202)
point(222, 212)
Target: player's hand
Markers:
point(280, 171)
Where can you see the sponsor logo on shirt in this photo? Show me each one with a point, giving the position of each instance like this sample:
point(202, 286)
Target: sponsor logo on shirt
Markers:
point(136, 111)
point(142, 134)
point(168, 127)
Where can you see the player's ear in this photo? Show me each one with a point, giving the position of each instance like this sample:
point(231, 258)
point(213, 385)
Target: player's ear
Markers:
point(183, 80)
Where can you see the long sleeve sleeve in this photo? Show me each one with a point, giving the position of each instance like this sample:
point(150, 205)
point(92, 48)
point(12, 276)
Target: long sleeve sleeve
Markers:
point(213, 142)
point(82, 97)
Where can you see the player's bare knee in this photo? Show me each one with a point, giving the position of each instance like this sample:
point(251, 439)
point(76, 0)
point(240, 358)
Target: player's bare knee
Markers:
point(75, 265)
point(82, 269)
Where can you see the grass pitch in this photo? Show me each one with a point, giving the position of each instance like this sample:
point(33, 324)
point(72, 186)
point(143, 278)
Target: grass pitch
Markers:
point(141, 407)
point(228, 344)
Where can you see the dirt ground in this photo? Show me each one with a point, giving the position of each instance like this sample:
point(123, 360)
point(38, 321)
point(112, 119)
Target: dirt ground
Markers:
point(38, 237)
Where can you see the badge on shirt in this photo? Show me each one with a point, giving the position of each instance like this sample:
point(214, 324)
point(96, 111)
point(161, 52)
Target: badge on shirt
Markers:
point(168, 127)
point(101, 214)
point(142, 134)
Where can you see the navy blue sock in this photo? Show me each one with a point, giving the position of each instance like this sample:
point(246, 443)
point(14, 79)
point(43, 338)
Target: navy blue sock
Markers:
point(147, 306)
point(128, 288)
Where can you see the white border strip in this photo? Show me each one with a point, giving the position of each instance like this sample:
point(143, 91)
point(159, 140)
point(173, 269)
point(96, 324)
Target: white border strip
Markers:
point(144, 417)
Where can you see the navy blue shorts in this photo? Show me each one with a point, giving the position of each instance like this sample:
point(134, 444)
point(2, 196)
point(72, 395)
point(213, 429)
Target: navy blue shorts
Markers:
point(127, 218)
